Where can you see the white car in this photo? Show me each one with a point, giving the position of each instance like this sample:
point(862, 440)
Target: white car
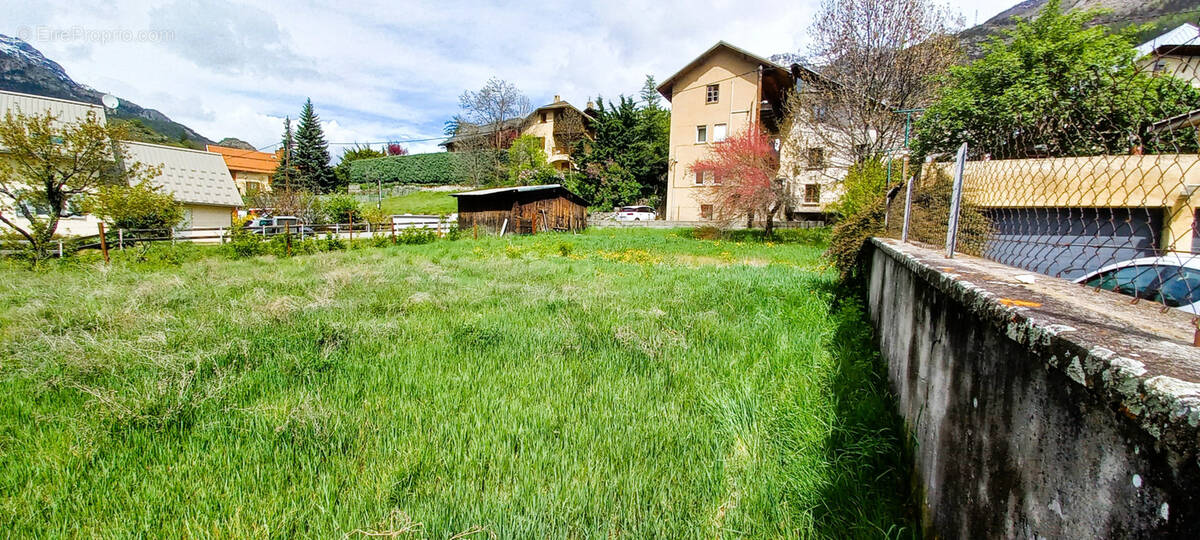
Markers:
point(635, 213)
point(1172, 279)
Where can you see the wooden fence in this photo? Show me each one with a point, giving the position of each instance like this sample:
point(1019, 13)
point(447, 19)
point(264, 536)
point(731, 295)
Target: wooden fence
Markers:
point(122, 238)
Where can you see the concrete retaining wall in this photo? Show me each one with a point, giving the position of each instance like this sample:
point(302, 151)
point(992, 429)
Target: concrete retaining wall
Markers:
point(1040, 409)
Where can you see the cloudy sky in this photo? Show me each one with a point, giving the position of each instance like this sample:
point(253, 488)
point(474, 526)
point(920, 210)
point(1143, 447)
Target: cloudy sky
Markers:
point(380, 71)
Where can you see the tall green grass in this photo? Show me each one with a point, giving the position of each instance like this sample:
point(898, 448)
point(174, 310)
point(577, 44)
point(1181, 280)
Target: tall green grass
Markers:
point(614, 383)
point(420, 202)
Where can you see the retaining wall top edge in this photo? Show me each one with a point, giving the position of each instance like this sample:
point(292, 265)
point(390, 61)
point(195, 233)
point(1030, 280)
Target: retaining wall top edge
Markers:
point(1137, 356)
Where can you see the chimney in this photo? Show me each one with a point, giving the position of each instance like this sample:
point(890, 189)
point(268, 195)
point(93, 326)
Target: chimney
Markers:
point(557, 98)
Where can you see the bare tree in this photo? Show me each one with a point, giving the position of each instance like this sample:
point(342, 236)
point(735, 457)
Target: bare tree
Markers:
point(488, 123)
point(493, 109)
point(877, 59)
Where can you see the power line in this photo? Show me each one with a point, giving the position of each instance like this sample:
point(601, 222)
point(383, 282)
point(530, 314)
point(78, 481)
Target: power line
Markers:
point(395, 141)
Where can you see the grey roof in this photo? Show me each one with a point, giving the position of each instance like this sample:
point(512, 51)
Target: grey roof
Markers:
point(192, 176)
point(520, 189)
point(514, 189)
point(67, 111)
point(473, 131)
point(1184, 34)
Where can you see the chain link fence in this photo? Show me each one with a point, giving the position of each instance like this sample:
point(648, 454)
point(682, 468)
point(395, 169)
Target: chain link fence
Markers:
point(1105, 192)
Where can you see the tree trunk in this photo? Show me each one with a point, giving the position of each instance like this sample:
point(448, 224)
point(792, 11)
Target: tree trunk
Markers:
point(769, 227)
point(42, 248)
point(750, 219)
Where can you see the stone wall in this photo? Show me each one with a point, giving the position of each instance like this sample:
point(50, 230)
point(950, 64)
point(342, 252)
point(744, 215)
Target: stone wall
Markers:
point(1037, 407)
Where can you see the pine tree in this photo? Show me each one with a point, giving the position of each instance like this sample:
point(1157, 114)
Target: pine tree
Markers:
point(650, 94)
point(285, 172)
point(311, 157)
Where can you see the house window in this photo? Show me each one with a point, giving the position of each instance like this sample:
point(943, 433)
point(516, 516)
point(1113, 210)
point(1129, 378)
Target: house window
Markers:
point(716, 179)
point(1160, 65)
point(816, 158)
point(812, 193)
point(252, 187)
point(701, 134)
point(706, 212)
point(708, 177)
point(699, 178)
point(720, 131)
point(543, 118)
point(713, 93)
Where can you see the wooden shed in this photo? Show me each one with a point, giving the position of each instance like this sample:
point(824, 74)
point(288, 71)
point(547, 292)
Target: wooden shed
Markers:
point(522, 209)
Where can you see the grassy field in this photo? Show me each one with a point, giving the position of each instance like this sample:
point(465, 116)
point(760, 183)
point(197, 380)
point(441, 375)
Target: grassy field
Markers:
point(616, 383)
point(421, 202)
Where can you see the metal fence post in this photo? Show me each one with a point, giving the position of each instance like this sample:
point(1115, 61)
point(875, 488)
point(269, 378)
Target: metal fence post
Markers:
point(907, 210)
point(121, 239)
point(960, 163)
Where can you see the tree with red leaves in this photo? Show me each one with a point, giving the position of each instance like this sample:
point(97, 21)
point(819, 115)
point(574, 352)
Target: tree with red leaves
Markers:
point(394, 149)
point(741, 176)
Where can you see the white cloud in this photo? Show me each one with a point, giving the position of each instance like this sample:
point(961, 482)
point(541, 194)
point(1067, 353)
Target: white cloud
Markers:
point(386, 71)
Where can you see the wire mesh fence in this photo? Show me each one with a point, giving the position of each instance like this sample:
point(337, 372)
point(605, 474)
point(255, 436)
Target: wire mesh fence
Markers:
point(1100, 186)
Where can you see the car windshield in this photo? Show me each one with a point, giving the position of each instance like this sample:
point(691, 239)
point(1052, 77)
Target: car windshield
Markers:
point(1138, 281)
point(1180, 287)
point(630, 209)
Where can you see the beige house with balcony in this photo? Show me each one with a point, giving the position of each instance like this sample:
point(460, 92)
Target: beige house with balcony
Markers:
point(558, 124)
point(726, 90)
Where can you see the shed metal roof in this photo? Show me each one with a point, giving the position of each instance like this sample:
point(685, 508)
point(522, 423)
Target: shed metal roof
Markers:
point(519, 189)
point(68, 112)
point(192, 176)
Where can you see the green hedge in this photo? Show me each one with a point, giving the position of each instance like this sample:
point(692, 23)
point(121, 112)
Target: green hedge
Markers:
point(435, 168)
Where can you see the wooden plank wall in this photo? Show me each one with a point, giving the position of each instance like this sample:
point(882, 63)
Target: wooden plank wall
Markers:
point(521, 209)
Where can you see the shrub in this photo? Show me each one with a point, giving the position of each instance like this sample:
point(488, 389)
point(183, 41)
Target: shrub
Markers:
point(927, 223)
point(342, 208)
point(851, 233)
point(140, 206)
point(865, 182)
point(707, 232)
point(527, 162)
point(332, 243)
point(244, 243)
point(416, 236)
point(436, 168)
point(375, 216)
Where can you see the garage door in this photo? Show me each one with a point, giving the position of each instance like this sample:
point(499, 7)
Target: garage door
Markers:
point(1070, 242)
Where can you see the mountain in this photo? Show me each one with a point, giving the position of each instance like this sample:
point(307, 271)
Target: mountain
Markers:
point(1157, 15)
point(234, 142)
point(24, 69)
